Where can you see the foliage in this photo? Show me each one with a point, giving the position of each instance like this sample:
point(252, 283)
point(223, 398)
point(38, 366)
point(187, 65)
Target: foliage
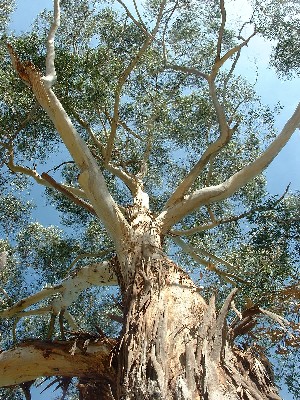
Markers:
point(167, 120)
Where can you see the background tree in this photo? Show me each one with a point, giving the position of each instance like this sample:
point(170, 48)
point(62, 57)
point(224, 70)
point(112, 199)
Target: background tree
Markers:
point(166, 148)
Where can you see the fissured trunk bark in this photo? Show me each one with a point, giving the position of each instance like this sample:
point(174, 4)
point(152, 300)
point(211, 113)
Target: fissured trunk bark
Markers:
point(174, 346)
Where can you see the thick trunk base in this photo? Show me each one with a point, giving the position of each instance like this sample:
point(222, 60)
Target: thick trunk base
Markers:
point(174, 345)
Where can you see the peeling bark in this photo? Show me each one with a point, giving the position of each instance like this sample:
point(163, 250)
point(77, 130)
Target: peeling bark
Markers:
point(175, 346)
point(36, 358)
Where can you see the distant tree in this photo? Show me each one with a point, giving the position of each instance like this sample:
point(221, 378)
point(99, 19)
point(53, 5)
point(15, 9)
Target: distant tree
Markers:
point(152, 151)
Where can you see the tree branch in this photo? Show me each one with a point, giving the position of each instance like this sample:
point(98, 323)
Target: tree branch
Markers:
point(50, 77)
point(91, 178)
point(171, 215)
point(68, 194)
point(99, 274)
point(212, 149)
point(129, 181)
point(233, 218)
point(76, 192)
point(192, 252)
point(219, 63)
point(35, 358)
point(123, 79)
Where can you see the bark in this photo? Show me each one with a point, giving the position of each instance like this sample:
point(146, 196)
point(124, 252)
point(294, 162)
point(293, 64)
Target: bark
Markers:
point(174, 345)
point(85, 359)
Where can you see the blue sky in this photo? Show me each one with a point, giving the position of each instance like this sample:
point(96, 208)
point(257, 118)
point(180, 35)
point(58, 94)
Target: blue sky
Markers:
point(285, 168)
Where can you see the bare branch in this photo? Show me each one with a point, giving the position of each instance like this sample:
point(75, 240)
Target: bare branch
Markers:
point(50, 77)
point(233, 218)
point(91, 179)
point(54, 358)
point(76, 192)
point(171, 215)
point(98, 274)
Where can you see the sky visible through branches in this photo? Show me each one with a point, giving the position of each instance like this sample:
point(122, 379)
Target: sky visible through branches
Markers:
point(253, 65)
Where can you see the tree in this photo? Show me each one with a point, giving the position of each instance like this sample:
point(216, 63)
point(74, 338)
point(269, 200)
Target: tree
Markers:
point(150, 112)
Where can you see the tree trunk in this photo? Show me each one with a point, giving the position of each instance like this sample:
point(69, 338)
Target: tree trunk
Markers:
point(173, 345)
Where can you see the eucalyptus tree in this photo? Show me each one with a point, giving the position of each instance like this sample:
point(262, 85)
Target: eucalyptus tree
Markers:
point(152, 151)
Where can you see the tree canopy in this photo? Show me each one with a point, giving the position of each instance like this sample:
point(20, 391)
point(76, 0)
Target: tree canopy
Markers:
point(145, 100)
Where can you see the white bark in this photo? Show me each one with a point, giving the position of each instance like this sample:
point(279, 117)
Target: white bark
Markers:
point(50, 77)
point(99, 274)
point(91, 179)
point(29, 361)
point(207, 195)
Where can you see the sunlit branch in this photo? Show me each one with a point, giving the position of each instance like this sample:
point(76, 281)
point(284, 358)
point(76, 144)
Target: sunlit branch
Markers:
point(225, 131)
point(97, 274)
point(93, 361)
point(171, 215)
point(234, 218)
point(122, 80)
point(90, 178)
point(50, 77)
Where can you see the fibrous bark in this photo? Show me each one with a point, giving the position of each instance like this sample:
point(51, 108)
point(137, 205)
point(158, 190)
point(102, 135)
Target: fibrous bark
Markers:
point(175, 346)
